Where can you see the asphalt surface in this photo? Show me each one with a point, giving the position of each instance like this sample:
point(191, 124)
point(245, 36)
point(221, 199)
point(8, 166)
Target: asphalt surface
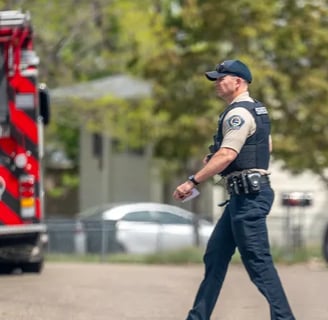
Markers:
point(66, 291)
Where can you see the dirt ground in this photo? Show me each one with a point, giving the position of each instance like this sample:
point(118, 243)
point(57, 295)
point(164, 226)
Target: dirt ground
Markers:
point(67, 291)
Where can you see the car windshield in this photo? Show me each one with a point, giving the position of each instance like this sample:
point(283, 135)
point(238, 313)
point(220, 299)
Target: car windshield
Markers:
point(161, 217)
point(139, 216)
point(170, 218)
point(97, 211)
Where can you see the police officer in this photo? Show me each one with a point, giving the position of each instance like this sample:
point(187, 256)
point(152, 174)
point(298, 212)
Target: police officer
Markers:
point(240, 153)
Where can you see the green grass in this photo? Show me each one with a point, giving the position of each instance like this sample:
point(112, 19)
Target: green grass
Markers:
point(296, 255)
point(185, 256)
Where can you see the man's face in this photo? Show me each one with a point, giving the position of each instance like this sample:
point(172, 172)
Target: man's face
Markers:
point(225, 86)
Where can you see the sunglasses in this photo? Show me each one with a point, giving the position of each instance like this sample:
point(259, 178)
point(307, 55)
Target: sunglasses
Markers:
point(220, 68)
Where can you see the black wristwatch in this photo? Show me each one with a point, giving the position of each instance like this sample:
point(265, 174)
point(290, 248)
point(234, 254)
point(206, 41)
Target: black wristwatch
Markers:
point(193, 180)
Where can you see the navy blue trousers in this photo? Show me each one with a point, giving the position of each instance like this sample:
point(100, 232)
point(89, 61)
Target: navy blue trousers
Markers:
point(242, 225)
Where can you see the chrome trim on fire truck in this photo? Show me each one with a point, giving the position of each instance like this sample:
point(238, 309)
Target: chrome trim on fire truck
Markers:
point(13, 18)
point(24, 228)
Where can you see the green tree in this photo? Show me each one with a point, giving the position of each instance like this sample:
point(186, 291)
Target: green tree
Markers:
point(284, 43)
point(102, 38)
point(298, 77)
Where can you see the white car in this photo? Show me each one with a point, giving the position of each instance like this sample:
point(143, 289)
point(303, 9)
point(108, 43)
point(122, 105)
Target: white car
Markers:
point(142, 227)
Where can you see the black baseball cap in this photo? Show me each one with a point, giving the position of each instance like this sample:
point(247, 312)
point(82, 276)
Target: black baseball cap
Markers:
point(230, 67)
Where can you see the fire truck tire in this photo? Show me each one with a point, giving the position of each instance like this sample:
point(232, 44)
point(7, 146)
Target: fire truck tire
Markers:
point(325, 245)
point(33, 267)
point(6, 268)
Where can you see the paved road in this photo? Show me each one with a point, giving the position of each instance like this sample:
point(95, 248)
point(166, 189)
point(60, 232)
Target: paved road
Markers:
point(127, 292)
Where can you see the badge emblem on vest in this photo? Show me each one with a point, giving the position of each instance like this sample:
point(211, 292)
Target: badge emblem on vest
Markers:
point(235, 122)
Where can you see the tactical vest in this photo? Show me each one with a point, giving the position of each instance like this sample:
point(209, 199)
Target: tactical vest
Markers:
point(255, 153)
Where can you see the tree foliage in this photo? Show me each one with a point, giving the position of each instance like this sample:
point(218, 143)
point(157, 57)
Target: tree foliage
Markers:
point(285, 45)
point(172, 43)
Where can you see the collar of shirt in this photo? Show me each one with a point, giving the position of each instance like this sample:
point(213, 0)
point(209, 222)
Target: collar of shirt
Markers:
point(242, 97)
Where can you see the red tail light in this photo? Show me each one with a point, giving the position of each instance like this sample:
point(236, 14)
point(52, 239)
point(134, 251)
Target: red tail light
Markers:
point(26, 186)
point(27, 195)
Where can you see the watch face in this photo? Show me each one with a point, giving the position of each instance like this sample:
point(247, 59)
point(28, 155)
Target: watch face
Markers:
point(192, 179)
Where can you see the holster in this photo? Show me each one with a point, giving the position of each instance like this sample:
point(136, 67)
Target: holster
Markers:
point(246, 183)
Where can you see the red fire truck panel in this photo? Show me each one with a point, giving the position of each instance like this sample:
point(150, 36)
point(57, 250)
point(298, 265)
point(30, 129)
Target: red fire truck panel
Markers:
point(22, 231)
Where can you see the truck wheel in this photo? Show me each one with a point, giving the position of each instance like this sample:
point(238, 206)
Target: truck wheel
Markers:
point(33, 267)
point(325, 245)
point(6, 268)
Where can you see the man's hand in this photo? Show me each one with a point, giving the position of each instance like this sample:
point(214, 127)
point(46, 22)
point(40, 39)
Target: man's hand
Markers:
point(183, 191)
point(216, 164)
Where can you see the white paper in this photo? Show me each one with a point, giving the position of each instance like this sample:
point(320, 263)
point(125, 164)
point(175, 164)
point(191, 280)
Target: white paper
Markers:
point(194, 194)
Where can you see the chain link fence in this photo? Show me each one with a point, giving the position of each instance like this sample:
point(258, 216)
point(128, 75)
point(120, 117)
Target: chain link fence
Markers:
point(70, 236)
point(73, 236)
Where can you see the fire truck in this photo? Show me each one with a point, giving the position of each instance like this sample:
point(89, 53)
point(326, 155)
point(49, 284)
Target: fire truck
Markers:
point(24, 111)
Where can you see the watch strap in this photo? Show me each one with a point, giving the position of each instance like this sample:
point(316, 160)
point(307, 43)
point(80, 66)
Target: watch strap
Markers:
point(193, 180)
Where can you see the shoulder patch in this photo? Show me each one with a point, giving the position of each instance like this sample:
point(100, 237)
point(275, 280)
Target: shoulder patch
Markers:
point(235, 122)
point(261, 110)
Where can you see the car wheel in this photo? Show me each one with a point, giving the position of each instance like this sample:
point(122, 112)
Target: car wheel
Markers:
point(325, 245)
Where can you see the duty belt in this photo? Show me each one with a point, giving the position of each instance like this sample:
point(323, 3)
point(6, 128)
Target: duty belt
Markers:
point(246, 183)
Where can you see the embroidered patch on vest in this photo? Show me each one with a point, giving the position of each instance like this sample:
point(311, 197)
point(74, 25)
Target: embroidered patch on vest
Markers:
point(235, 122)
point(261, 110)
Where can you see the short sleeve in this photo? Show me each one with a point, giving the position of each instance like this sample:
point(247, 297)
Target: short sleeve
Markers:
point(238, 125)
